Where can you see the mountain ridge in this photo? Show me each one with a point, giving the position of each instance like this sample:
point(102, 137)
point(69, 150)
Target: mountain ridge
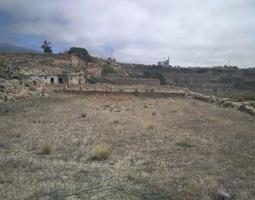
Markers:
point(6, 47)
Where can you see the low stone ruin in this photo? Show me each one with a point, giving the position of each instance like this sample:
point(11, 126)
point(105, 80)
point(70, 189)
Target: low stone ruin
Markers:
point(225, 102)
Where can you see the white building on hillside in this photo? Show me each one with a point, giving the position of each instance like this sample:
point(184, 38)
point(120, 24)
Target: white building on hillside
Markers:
point(164, 63)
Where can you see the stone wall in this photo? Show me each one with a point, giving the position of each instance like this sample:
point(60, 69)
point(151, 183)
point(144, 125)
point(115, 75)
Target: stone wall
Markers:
point(224, 102)
point(134, 93)
point(130, 81)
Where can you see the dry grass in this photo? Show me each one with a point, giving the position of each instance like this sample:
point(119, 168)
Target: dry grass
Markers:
point(101, 152)
point(115, 121)
point(45, 149)
point(114, 98)
point(183, 142)
point(193, 150)
point(150, 126)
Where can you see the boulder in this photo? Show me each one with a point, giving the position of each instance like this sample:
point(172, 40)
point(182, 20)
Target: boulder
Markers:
point(247, 109)
point(222, 195)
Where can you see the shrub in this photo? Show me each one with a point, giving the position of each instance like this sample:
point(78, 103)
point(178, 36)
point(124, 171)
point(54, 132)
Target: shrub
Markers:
point(154, 113)
point(150, 126)
point(107, 69)
point(101, 152)
point(115, 121)
point(246, 96)
point(81, 53)
point(45, 149)
point(91, 80)
point(155, 74)
point(182, 142)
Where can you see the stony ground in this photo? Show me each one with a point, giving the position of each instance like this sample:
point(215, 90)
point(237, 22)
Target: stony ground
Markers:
point(153, 149)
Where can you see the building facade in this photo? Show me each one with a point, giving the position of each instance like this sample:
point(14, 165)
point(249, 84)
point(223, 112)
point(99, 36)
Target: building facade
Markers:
point(165, 63)
point(60, 79)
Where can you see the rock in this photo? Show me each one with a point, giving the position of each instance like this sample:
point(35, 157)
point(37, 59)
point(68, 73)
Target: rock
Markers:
point(2, 84)
point(246, 103)
point(213, 99)
point(227, 103)
point(247, 109)
point(235, 105)
point(222, 195)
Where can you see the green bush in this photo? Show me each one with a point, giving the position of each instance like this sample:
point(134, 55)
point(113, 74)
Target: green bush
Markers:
point(81, 53)
point(156, 75)
point(107, 69)
point(247, 96)
point(91, 80)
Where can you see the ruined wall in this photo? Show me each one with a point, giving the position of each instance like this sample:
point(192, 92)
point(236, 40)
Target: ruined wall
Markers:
point(50, 79)
point(130, 81)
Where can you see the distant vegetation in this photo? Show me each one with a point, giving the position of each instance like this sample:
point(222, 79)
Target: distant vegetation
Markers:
point(8, 71)
point(247, 96)
point(108, 69)
point(91, 80)
point(81, 53)
point(155, 74)
point(46, 47)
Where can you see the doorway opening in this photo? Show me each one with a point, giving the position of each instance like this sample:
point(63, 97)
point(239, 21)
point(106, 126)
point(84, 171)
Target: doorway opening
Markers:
point(60, 80)
point(51, 80)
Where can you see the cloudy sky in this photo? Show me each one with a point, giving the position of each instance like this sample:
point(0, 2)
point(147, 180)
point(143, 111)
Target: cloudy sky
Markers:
point(191, 32)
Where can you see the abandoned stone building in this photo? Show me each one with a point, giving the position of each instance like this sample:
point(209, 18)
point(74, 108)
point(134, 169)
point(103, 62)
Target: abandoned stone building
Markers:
point(60, 79)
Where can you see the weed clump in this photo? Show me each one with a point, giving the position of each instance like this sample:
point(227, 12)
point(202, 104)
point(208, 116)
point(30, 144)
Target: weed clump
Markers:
point(115, 121)
point(83, 115)
point(45, 149)
point(182, 142)
point(101, 152)
point(150, 126)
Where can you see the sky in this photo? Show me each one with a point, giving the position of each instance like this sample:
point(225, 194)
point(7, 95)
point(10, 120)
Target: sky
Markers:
point(191, 32)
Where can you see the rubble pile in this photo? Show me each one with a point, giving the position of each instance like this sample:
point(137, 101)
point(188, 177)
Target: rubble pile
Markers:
point(12, 90)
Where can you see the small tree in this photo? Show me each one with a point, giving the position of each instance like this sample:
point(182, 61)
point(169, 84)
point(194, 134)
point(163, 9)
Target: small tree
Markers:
point(46, 47)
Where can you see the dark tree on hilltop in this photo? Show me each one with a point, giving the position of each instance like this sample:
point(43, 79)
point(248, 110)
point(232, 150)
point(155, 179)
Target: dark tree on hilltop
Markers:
point(46, 47)
point(81, 53)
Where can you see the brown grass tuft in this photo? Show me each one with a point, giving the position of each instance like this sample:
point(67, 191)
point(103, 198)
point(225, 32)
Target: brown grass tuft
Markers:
point(101, 152)
point(45, 149)
point(150, 126)
point(115, 121)
point(183, 142)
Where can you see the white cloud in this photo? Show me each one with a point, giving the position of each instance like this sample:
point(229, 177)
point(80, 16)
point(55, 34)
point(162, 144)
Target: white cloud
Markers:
point(191, 32)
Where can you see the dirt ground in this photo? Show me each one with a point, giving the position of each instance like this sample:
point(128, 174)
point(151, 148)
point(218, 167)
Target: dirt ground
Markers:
point(168, 148)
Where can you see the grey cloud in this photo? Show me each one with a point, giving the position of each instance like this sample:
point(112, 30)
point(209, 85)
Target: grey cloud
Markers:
point(191, 32)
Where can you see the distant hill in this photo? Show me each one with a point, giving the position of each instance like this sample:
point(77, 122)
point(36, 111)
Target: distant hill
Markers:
point(6, 47)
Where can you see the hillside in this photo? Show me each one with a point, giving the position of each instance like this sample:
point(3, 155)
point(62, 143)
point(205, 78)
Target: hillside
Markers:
point(231, 82)
point(11, 48)
point(219, 81)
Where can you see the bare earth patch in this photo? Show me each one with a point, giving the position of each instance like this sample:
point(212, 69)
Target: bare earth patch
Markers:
point(186, 150)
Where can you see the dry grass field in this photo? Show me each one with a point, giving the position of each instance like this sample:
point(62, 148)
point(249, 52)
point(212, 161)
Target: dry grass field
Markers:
point(122, 147)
